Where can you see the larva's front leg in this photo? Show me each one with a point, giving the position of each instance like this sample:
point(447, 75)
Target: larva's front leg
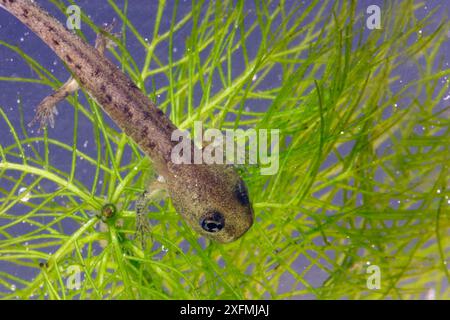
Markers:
point(154, 191)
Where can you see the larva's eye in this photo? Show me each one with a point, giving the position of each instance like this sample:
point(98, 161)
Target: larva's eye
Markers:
point(213, 222)
point(241, 193)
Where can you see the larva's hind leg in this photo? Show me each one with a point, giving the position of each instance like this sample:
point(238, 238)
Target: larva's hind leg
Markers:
point(46, 110)
point(105, 37)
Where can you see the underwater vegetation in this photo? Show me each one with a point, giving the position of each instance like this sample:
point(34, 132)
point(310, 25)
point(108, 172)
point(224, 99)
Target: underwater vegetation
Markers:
point(359, 205)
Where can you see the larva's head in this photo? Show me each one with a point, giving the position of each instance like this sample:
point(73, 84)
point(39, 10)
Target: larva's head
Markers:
point(212, 199)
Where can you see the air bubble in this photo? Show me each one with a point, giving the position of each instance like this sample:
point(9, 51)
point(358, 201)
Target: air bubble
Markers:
point(26, 197)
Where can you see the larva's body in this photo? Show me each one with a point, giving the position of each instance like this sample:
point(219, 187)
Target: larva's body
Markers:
point(212, 198)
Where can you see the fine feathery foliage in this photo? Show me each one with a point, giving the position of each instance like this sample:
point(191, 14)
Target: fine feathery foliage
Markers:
point(363, 160)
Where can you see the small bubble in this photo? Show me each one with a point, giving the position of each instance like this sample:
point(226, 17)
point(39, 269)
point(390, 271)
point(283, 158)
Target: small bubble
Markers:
point(85, 144)
point(22, 39)
point(175, 49)
point(26, 197)
point(438, 191)
point(13, 287)
point(255, 76)
point(164, 249)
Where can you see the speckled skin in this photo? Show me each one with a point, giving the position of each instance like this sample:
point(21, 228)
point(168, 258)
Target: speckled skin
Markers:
point(196, 190)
